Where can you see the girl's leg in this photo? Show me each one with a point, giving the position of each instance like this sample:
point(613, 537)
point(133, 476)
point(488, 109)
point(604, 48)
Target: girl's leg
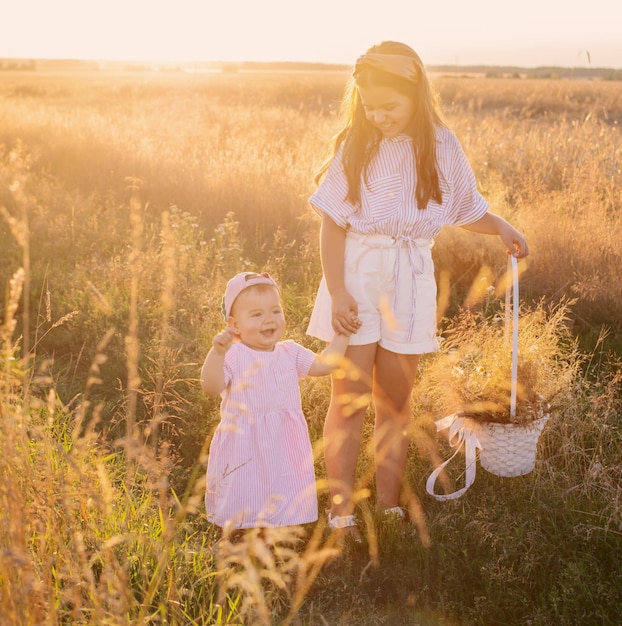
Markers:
point(343, 428)
point(394, 376)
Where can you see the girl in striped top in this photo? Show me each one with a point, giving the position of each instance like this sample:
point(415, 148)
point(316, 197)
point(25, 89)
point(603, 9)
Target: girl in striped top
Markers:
point(397, 175)
point(260, 468)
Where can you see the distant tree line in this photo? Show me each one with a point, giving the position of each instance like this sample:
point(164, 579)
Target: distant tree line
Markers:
point(515, 72)
point(18, 64)
point(584, 73)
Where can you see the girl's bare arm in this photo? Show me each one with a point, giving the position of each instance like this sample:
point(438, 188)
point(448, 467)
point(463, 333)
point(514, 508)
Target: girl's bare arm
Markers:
point(491, 224)
point(332, 251)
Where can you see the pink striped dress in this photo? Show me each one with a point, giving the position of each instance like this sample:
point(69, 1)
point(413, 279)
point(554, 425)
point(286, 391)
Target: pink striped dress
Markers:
point(260, 467)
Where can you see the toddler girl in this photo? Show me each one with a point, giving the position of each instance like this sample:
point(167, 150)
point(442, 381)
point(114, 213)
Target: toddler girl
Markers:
point(260, 469)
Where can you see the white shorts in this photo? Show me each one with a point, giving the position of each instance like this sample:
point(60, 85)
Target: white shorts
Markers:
point(394, 285)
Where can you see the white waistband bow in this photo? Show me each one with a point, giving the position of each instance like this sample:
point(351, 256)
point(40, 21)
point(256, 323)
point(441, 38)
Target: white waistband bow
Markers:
point(415, 258)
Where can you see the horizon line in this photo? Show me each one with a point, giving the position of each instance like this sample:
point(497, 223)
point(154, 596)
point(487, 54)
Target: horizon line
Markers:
point(221, 62)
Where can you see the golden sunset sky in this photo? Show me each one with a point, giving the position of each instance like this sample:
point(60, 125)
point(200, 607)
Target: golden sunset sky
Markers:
point(528, 33)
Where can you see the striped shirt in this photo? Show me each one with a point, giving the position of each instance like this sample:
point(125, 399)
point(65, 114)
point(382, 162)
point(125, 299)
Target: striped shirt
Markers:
point(260, 468)
point(388, 204)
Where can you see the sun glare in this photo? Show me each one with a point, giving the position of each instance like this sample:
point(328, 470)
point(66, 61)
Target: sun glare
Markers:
point(483, 31)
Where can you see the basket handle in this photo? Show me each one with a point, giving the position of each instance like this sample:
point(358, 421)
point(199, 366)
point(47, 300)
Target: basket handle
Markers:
point(511, 307)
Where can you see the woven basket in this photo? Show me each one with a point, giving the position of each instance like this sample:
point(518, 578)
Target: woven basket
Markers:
point(504, 449)
point(508, 449)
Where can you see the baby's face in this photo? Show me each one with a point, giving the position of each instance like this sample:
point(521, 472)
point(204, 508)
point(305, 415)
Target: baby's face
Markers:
point(257, 318)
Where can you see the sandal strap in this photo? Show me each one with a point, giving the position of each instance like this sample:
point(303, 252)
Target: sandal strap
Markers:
point(398, 511)
point(398, 516)
point(343, 521)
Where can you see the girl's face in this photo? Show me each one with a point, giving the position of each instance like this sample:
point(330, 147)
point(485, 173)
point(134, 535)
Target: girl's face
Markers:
point(388, 110)
point(257, 318)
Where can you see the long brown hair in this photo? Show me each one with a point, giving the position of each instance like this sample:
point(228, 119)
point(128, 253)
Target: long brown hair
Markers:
point(361, 139)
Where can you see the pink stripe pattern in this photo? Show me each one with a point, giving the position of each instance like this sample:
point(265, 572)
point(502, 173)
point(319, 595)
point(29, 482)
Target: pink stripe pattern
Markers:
point(388, 204)
point(260, 468)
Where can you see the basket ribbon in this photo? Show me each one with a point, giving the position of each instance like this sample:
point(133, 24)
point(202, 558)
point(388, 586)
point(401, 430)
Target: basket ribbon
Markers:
point(460, 434)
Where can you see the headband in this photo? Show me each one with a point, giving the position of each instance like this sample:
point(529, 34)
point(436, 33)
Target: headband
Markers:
point(398, 64)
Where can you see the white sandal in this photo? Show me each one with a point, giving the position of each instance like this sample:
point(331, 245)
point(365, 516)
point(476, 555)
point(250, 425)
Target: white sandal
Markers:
point(398, 511)
point(397, 515)
point(338, 522)
point(346, 525)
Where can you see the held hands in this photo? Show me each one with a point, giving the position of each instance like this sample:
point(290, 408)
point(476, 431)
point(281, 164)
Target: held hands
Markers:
point(222, 341)
point(345, 314)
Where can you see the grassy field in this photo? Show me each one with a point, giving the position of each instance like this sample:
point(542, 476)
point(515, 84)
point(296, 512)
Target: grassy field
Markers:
point(127, 200)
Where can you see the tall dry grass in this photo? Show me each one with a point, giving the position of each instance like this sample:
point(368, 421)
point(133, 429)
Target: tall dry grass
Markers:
point(128, 200)
point(546, 153)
